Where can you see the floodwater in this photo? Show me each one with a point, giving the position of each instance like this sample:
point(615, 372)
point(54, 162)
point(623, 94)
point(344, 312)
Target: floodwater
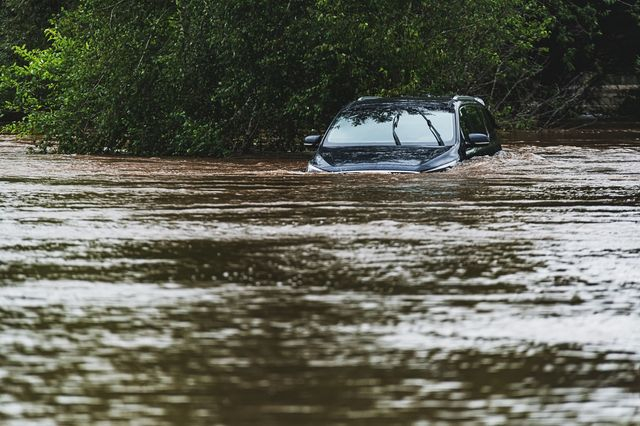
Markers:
point(200, 292)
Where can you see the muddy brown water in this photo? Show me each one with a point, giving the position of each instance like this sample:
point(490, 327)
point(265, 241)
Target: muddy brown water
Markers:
point(202, 292)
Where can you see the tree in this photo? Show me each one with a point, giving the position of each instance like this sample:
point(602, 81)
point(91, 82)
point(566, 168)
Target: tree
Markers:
point(22, 24)
point(218, 76)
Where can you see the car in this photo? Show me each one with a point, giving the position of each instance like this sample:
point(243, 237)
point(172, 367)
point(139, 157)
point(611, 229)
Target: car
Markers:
point(404, 135)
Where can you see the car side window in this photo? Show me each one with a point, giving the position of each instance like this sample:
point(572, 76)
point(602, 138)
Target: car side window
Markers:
point(472, 121)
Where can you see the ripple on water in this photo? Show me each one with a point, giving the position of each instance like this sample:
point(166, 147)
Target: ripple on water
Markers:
point(195, 291)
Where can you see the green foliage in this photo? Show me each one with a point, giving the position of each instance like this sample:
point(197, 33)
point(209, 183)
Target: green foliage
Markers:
point(23, 22)
point(212, 77)
point(22, 27)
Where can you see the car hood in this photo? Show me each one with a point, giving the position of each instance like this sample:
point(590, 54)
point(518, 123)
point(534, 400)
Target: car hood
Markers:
point(384, 158)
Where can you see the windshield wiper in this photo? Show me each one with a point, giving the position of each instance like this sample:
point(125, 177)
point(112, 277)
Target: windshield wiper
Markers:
point(393, 126)
point(433, 130)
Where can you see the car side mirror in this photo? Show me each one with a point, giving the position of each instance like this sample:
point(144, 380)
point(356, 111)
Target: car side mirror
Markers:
point(479, 139)
point(312, 141)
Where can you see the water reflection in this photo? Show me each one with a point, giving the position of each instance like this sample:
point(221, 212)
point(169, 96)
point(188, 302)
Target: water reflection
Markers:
point(200, 292)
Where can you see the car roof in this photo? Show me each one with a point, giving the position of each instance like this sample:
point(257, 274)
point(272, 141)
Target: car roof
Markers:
point(431, 102)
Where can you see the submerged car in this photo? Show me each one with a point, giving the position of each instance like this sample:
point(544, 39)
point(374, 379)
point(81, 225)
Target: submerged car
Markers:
point(404, 135)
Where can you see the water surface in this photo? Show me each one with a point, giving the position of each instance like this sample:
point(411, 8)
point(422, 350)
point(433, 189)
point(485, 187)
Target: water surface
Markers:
point(193, 291)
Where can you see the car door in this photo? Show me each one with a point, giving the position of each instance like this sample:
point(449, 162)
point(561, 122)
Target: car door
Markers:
point(475, 120)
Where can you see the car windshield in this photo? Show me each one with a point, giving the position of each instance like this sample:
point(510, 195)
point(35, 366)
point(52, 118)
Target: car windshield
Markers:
point(375, 127)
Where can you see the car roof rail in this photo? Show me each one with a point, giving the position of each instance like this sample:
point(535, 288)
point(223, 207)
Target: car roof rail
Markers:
point(368, 98)
point(468, 98)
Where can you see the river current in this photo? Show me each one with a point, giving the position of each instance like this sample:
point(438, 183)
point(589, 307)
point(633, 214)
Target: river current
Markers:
point(155, 291)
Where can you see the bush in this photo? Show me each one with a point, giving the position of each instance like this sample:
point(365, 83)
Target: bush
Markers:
point(188, 77)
